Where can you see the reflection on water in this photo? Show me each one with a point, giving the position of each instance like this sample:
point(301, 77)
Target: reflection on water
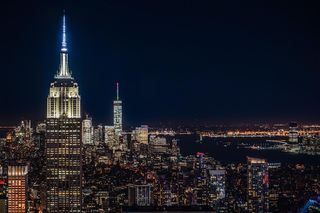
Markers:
point(233, 153)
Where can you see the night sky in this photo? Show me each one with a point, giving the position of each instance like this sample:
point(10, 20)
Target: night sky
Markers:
point(177, 61)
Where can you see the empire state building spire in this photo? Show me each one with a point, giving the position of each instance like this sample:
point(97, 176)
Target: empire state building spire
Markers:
point(64, 67)
point(64, 36)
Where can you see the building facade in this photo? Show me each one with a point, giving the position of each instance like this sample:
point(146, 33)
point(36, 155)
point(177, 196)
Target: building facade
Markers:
point(141, 134)
point(17, 188)
point(110, 136)
point(63, 140)
point(217, 191)
point(87, 131)
point(3, 190)
point(293, 133)
point(98, 135)
point(140, 195)
point(258, 185)
point(117, 114)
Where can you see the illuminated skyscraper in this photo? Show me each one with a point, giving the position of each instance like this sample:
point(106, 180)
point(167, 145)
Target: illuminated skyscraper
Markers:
point(17, 188)
point(63, 139)
point(98, 135)
point(258, 185)
point(87, 131)
point(217, 179)
point(201, 179)
point(141, 134)
point(140, 195)
point(293, 133)
point(117, 114)
point(110, 136)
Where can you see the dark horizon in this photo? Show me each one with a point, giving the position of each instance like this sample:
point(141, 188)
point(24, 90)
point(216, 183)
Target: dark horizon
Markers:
point(177, 62)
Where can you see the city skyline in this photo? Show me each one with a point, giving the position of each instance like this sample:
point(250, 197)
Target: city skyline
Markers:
point(153, 146)
point(148, 48)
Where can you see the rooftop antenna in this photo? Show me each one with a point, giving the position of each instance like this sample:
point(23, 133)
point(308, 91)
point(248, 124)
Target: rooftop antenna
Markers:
point(64, 34)
point(117, 91)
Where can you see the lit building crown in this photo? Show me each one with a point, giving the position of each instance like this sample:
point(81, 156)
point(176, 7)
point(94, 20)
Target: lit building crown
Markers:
point(63, 71)
point(64, 98)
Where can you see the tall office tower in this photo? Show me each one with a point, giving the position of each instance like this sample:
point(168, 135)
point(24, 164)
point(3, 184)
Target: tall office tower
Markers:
point(109, 136)
point(63, 140)
point(217, 179)
point(258, 185)
point(141, 134)
point(127, 140)
point(140, 195)
point(17, 188)
point(201, 179)
point(87, 131)
point(98, 135)
point(275, 175)
point(293, 132)
point(117, 113)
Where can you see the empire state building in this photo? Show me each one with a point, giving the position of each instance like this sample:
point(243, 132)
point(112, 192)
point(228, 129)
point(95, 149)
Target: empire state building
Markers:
point(63, 139)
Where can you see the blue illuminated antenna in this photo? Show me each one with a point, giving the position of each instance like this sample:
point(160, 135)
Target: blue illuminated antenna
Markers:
point(64, 34)
point(64, 71)
point(117, 91)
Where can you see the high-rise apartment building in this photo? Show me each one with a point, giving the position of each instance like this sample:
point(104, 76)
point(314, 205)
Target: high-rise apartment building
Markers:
point(110, 136)
point(87, 131)
point(217, 179)
point(258, 185)
point(98, 135)
point(17, 188)
point(140, 195)
point(63, 140)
